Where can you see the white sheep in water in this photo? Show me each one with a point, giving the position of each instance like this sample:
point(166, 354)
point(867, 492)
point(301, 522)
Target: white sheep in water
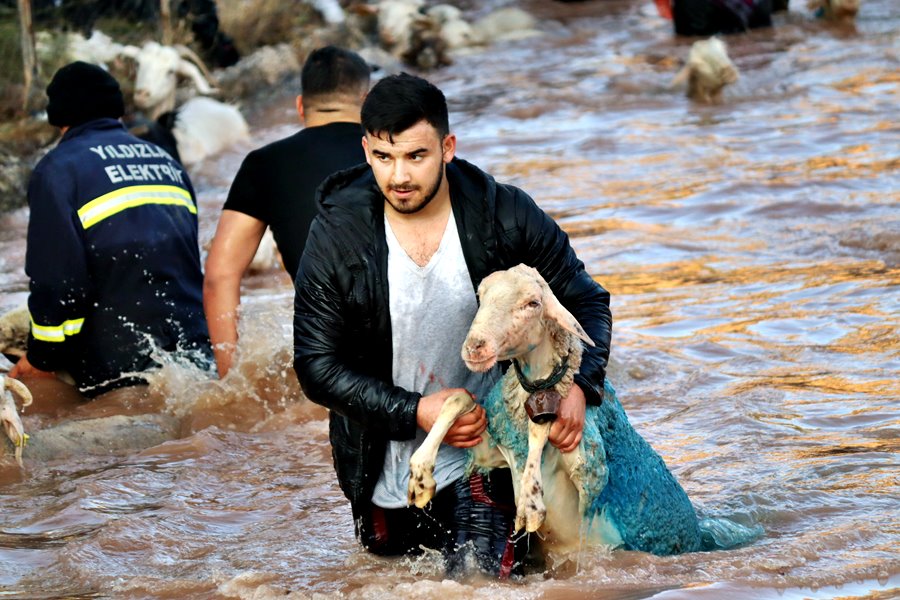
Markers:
point(708, 71)
point(202, 126)
point(14, 328)
point(504, 24)
point(425, 36)
point(9, 414)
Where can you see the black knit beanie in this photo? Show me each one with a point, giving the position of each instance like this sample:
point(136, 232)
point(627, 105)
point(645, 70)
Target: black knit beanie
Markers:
point(81, 92)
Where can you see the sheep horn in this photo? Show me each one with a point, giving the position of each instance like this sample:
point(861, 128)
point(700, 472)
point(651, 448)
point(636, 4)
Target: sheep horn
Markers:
point(187, 53)
point(19, 389)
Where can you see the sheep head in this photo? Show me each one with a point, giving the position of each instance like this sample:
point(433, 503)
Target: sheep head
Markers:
point(455, 30)
point(395, 20)
point(708, 70)
point(426, 48)
point(158, 70)
point(516, 308)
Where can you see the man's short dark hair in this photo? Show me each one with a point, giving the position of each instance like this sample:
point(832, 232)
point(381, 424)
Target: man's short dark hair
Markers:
point(398, 102)
point(332, 70)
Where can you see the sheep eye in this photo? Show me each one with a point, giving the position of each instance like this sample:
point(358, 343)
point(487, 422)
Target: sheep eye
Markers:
point(532, 304)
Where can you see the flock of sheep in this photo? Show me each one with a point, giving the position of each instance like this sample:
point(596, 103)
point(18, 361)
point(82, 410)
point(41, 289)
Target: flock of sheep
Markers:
point(405, 31)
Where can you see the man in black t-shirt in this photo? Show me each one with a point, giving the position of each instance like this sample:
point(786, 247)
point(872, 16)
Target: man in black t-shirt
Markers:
point(276, 187)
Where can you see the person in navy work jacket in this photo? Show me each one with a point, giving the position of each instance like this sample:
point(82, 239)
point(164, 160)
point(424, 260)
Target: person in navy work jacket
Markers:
point(112, 256)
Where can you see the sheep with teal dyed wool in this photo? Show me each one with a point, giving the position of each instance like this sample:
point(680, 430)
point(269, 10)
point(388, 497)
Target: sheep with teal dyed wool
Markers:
point(614, 490)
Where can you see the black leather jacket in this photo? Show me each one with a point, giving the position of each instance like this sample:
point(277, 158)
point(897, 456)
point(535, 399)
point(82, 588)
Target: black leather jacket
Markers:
point(342, 326)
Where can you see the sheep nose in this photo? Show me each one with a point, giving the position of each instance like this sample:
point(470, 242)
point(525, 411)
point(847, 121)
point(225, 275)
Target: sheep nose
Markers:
point(473, 345)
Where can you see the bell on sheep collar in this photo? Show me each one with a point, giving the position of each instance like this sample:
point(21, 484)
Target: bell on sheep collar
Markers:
point(542, 406)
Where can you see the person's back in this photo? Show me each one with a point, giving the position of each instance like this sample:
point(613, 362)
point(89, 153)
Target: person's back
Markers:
point(112, 256)
point(277, 183)
point(276, 186)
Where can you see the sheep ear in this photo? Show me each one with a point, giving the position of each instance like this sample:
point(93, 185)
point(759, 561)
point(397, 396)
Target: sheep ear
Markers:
point(553, 309)
point(18, 388)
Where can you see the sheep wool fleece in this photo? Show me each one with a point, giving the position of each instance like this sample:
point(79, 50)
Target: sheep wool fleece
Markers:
point(113, 259)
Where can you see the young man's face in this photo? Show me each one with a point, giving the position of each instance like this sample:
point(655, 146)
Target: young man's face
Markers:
point(410, 171)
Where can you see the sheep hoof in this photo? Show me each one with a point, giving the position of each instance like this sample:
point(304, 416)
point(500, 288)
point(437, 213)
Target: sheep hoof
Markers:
point(520, 522)
point(530, 512)
point(535, 519)
point(422, 485)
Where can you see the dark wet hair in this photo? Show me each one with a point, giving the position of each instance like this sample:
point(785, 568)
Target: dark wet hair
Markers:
point(333, 70)
point(398, 102)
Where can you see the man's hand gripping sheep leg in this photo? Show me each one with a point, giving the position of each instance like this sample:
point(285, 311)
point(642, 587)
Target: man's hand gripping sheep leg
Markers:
point(422, 486)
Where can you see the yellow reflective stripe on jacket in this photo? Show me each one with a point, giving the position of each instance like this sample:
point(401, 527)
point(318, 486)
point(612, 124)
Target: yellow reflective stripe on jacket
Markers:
point(115, 202)
point(56, 333)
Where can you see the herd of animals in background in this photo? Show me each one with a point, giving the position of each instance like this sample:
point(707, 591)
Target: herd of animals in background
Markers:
point(173, 88)
point(201, 126)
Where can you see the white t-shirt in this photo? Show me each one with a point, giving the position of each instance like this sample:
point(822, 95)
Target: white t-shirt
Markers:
point(432, 308)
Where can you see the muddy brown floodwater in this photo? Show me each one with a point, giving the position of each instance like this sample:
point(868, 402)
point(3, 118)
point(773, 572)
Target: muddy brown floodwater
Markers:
point(752, 250)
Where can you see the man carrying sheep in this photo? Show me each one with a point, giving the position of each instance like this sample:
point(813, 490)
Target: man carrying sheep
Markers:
point(385, 294)
point(276, 186)
point(112, 252)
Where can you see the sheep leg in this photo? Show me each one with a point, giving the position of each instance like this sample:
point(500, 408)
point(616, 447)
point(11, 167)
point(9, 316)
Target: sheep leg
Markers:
point(574, 463)
point(9, 416)
point(530, 508)
point(422, 486)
